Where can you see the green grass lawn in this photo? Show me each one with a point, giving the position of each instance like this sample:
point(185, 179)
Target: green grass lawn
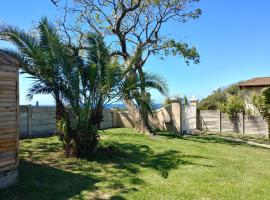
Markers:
point(133, 166)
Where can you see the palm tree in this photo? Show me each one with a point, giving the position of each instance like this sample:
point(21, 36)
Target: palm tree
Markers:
point(87, 88)
point(131, 93)
point(85, 80)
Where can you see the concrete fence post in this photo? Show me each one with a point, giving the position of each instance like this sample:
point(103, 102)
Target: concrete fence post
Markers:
point(114, 113)
point(29, 120)
point(193, 102)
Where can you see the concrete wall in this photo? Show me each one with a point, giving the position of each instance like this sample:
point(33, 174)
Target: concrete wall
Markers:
point(37, 121)
point(178, 118)
point(162, 118)
point(40, 121)
point(213, 120)
point(168, 118)
point(107, 120)
point(175, 117)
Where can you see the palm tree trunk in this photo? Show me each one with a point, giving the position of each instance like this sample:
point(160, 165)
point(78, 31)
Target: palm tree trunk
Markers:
point(138, 116)
point(144, 112)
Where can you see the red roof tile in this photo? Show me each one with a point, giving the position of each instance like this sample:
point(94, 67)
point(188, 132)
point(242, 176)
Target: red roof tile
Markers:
point(256, 82)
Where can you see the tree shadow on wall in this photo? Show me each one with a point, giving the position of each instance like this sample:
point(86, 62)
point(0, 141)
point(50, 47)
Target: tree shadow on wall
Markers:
point(235, 121)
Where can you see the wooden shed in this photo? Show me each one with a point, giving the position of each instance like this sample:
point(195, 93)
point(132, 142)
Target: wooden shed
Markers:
point(9, 112)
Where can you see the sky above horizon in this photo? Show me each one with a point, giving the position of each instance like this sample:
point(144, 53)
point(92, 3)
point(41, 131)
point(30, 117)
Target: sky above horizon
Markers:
point(232, 38)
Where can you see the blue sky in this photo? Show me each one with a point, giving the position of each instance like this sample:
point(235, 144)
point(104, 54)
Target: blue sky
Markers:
point(232, 37)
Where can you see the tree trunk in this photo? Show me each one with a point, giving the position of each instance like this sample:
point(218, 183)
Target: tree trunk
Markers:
point(60, 110)
point(144, 112)
point(137, 117)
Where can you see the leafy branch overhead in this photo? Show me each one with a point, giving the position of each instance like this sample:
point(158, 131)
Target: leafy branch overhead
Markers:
point(130, 25)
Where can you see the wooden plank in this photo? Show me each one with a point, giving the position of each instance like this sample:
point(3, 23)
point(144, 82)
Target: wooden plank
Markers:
point(3, 159)
point(8, 74)
point(7, 100)
point(7, 96)
point(7, 92)
point(7, 81)
point(8, 87)
point(7, 141)
point(7, 154)
point(8, 148)
point(8, 109)
point(8, 68)
point(8, 125)
point(4, 132)
point(8, 167)
point(7, 161)
point(8, 118)
point(8, 130)
point(5, 105)
point(7, 114)
point(8, 136)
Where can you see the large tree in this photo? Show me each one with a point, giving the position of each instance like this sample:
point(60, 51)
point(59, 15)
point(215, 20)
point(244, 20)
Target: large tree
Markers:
point(134, 30)
point(82, 82)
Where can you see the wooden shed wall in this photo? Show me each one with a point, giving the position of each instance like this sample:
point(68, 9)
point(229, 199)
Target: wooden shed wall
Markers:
point(9, 110)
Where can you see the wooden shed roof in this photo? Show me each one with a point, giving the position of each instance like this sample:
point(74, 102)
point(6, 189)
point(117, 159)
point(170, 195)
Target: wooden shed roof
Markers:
point(256, 82)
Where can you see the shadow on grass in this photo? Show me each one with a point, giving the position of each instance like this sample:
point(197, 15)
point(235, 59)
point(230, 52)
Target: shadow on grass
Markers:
point(115, 167)
point(210, 138)
point(131, 157)
point(42, 182)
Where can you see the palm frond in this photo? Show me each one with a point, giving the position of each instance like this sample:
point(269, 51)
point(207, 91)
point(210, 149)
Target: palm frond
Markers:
point(38, 88)
point(155, 81)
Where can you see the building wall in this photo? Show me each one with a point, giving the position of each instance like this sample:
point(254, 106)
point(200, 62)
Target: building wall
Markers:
point(249, 92)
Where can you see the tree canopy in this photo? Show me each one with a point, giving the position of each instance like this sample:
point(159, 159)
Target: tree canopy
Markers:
point(227, 99)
